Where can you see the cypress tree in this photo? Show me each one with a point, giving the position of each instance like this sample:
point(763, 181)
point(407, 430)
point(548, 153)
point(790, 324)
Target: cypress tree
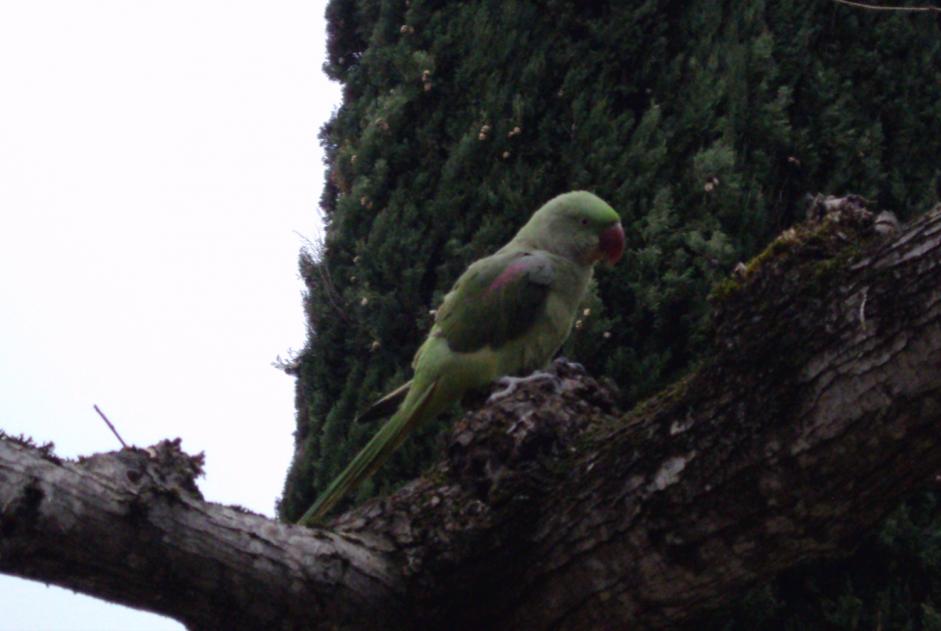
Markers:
point(704, 123)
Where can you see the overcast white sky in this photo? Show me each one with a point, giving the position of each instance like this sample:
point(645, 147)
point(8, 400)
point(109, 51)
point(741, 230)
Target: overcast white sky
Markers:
point(156, 159)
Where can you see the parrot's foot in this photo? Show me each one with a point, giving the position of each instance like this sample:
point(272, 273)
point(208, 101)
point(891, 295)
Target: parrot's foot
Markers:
point(510, 384)
point(567, 363)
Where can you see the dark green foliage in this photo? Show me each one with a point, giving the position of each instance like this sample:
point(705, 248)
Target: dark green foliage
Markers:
point(704, 123)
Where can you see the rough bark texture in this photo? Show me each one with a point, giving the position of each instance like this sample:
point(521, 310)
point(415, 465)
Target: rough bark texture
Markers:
point(817, 412)
point(130, 527)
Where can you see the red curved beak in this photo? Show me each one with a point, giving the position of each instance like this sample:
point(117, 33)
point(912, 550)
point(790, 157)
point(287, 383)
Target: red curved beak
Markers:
point(611, 243)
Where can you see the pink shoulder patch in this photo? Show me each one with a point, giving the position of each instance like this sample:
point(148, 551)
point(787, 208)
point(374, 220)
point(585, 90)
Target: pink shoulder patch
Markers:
point(510, 274)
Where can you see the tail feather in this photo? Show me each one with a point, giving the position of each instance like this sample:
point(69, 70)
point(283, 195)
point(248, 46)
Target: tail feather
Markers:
point(386, 405)
point(370, 458)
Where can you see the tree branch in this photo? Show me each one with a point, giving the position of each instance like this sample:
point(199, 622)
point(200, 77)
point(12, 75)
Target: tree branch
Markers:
point(816, 413)
point(130, 527)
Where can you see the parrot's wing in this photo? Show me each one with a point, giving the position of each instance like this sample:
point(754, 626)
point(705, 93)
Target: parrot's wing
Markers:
point(385, 406)
point(496, 300)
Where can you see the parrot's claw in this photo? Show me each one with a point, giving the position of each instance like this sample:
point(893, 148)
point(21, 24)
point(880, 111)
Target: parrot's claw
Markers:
point(510, 384)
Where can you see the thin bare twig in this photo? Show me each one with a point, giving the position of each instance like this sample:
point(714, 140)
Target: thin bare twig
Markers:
point(330, 290)
point(110, 426)
point(879, 7)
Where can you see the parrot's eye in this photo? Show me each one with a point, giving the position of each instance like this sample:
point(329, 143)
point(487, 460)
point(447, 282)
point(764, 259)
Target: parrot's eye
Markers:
point(584, 221)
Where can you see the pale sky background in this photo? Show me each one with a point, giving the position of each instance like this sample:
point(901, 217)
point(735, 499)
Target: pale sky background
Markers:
point(156, 159)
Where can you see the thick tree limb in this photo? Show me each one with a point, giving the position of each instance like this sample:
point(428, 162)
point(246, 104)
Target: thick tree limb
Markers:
point(131, 528)
point(816, 414)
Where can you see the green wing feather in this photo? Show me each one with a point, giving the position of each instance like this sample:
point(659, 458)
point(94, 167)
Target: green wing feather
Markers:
point(385, 406)
point(475, 313)
point(496, 300)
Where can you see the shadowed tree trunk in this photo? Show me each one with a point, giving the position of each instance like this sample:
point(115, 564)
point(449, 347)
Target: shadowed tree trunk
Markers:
point(817, 412)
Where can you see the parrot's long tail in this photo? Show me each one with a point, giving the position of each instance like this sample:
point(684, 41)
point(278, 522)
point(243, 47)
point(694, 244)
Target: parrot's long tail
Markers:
point(371, 457)
point(385, 406)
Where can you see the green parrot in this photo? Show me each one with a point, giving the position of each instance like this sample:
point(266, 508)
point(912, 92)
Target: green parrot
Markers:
point(507, 314)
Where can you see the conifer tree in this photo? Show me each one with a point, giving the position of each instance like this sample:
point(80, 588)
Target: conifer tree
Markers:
point(704, 123)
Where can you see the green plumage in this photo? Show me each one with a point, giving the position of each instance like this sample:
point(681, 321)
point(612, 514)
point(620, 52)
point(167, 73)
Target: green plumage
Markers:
point(507, 314)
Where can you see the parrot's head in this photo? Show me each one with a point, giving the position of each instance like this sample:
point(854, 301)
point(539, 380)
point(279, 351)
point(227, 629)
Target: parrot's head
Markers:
point(578, 225)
